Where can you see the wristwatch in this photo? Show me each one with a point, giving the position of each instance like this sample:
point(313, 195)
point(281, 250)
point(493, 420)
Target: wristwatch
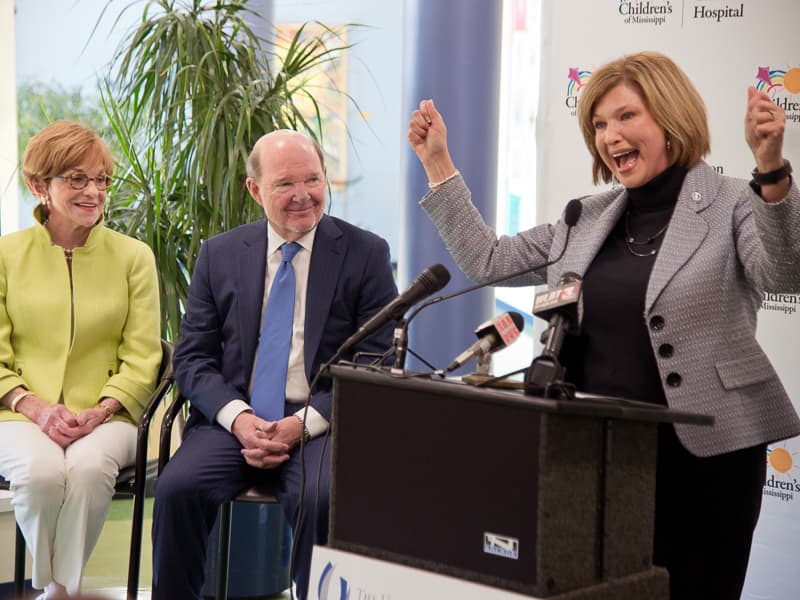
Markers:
point(759, 179)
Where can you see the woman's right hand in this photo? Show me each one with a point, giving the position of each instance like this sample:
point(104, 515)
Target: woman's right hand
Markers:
point(427, 135)
point(58, 423)
point(55, 420)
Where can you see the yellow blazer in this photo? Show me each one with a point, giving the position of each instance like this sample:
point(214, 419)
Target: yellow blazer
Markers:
point(109, 345)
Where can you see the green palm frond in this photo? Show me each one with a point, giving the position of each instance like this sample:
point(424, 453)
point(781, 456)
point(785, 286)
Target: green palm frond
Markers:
point(194, 89)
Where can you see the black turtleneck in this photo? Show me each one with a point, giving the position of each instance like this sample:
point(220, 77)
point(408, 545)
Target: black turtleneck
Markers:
point(612, 355)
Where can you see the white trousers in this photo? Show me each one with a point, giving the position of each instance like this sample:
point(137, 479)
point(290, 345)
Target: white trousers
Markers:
point(61, 496)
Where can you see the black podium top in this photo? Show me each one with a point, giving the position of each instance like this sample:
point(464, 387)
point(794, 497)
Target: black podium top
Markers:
point(587, 405)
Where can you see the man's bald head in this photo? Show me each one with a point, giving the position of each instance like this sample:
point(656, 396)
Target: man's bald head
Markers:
point(287, 178)
point(274, 140)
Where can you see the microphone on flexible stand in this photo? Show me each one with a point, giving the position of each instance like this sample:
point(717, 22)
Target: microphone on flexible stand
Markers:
point(431, 280)
point(493, 335)
point(572, 213)
point(562, 307)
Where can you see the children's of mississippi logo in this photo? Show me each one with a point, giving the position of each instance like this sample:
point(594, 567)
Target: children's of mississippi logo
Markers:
point(781, 482)
point(783, 86)
point(776, 302)
point(645, 12)
point(576, 79)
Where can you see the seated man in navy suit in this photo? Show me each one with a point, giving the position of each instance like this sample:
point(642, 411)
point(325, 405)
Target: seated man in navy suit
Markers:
point(342, 276)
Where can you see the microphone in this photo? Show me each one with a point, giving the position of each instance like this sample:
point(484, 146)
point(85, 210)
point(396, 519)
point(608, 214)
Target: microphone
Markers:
point(431, 280)
point(493, 335)
point(571, 215)
point(562, 307)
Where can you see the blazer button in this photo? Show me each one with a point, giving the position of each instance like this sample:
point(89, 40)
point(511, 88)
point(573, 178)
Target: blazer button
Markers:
point(657, 323)
point(666, 350)
point(19, 371)
point(110, 372)
point(674, 380)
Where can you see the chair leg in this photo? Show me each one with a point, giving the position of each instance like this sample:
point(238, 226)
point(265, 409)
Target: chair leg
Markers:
point(135, 555)
point(223, 551)
point(19, 564)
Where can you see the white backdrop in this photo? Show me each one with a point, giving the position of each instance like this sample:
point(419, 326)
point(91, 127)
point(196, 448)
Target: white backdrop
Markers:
point(723, 47)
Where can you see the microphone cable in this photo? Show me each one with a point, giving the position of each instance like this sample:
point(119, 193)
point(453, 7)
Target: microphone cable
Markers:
point(431, 280)
point(572, 214)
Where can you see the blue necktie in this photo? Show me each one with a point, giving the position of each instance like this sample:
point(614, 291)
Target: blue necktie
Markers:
point(272, 360)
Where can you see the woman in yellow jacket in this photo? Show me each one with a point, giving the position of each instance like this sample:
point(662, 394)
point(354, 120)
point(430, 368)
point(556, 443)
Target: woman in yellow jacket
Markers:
point(79, 354)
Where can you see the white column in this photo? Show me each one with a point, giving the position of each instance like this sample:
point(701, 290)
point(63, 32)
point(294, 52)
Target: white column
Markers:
point(9, 208)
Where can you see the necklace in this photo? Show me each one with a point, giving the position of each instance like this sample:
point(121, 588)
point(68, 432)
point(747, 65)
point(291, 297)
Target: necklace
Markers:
point(67, 251)
point(631, 241)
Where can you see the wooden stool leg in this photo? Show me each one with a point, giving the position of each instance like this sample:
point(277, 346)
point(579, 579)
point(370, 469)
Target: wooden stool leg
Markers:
point(223, 551)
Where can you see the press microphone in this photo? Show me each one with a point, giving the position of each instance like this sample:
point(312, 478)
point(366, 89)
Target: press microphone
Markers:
point(572, 213)
point(493, 335)
point(562, 307)
point(431, 280)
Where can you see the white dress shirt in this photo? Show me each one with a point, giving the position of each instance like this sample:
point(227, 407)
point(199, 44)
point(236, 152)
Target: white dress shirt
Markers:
point(297, 389)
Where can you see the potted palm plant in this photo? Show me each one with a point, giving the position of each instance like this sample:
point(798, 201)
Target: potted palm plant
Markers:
point(193, 88)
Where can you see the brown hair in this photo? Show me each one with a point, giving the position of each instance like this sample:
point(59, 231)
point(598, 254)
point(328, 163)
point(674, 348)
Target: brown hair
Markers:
point(668, 95)
point(60, 146)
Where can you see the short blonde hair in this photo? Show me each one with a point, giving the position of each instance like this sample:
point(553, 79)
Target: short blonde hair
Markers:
point(60, 146)
point(668, 95)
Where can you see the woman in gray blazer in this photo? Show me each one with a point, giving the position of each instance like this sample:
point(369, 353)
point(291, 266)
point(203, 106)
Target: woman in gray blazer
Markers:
point(674, 263)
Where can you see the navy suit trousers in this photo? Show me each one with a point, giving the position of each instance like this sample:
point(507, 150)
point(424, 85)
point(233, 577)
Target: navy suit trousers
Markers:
point(207, 470)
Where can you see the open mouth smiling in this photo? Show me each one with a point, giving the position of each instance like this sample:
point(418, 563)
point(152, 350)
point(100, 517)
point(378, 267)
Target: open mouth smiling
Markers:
point(625, 160)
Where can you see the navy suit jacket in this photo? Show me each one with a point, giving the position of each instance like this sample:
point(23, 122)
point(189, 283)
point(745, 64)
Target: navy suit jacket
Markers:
point(350, 278)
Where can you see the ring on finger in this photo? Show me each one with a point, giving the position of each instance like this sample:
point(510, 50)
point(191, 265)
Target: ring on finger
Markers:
point(771, 115)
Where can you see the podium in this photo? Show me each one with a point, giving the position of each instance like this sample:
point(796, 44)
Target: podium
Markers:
point(545, 497)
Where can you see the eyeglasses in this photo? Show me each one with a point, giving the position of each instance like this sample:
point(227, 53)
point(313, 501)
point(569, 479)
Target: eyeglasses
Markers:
point(80, 181)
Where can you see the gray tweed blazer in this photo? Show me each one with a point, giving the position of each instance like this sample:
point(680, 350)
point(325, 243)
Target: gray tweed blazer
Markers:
point(723, 249)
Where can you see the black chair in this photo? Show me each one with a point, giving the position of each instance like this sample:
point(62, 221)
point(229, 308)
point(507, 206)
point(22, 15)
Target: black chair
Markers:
point(264, 493)
point(131, 483)
point(135, 486)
